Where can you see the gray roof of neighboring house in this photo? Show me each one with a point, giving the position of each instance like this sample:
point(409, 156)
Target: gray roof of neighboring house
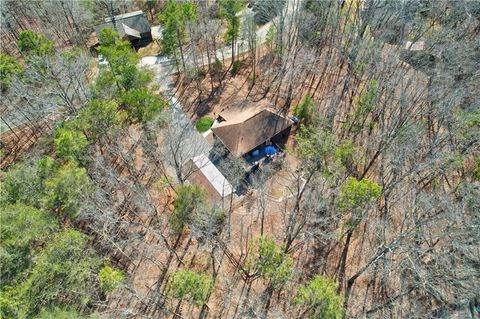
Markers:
point(415, 46)
point(129, 24)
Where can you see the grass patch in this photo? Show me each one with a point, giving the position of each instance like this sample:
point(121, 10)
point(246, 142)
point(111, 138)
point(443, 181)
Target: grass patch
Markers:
point(277, 192)
point(204, 124)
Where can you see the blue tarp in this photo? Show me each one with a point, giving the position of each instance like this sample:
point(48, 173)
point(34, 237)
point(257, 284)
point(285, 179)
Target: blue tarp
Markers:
point(270, 150)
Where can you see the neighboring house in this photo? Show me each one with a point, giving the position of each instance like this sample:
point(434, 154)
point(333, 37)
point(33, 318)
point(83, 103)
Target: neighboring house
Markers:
point(207, 176)
point(417, 55)
point(243, 131)
point(415, 46)
point(132, 26)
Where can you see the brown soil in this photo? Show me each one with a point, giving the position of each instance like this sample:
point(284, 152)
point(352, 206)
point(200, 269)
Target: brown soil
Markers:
point(233, 90)
point(15, 143)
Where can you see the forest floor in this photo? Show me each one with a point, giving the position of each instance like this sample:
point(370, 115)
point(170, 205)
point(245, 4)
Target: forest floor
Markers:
point(228, 90)
point(276, 194)
point(156, 251)
point(265, 205)
point(17, 142)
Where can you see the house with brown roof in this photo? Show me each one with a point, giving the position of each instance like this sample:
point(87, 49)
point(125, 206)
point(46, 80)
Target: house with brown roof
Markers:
point(242, 131)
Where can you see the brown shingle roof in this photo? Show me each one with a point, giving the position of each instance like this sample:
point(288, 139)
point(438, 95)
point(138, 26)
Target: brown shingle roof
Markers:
point(250, 128)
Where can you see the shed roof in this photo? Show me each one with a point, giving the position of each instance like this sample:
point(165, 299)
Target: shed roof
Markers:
point(251, 127)
point(211, 174)
point(128, 24)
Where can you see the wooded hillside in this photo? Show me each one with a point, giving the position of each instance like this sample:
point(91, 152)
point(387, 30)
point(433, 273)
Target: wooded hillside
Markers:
point(356, 193)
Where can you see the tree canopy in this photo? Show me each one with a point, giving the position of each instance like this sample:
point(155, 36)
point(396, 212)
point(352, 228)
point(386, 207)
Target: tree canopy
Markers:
point(194, 286)
point(62, 271)
point(66, 189)
point(69, 144)
point(357, 194)
point(33, 43)
point(9, 68)
point(369, 207)
point(320, 298)
point(269, 260)
point(34, 225)
point(190, 199)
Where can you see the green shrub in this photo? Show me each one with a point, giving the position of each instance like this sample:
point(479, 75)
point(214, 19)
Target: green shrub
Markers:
point(476, 170)
point(204, 124)
point(201, 73)
point(110, 278)
point(217, 66)
point(235, 67)
point(305, 110)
